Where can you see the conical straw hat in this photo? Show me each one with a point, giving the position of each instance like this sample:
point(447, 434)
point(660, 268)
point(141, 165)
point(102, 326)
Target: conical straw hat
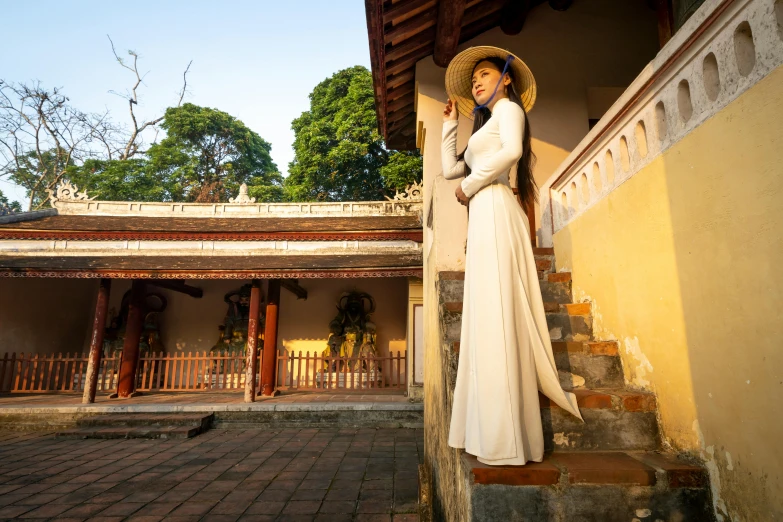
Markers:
point(460, 71)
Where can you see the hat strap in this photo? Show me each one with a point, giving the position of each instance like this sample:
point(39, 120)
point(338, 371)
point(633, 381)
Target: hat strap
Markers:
point(505, 68)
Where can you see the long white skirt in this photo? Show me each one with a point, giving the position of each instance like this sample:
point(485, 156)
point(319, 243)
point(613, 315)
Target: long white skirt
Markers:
point(505, 352)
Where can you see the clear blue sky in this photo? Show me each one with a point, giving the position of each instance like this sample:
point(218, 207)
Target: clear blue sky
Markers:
point(256, 60)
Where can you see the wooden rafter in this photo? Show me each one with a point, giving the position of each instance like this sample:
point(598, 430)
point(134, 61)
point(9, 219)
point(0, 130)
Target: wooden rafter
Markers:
point(411, 26)
point(447, 33)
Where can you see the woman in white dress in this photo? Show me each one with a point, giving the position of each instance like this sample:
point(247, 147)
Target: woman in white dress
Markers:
point(505, 354)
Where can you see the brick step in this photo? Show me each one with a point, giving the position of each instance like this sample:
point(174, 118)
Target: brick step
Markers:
point(614, 420)
point(567, 324)
point(633, 486)
point(127, 432)
point(591, 364)
point(451, 290)
point(117, 420)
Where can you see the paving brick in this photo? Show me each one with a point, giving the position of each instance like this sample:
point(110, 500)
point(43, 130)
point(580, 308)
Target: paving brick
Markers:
point(338, 506)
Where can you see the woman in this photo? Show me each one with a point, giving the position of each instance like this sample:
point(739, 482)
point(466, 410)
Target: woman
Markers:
point(505, 352)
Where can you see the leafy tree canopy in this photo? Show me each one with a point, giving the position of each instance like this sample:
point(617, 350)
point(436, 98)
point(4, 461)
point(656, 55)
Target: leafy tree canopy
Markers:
point(339, 153)
point(207, 154)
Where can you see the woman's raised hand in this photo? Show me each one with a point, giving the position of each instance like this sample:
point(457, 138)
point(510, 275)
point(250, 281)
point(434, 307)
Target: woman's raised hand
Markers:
point(450, 112)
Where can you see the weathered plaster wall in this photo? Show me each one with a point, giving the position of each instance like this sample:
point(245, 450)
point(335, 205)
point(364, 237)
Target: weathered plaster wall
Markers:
point(680, 263)
point(45, 315)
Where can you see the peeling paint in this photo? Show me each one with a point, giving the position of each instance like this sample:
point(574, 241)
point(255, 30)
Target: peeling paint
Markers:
point(730, 463)
point(708, 457)
point(643, 513)
point(561, 439)
point(637, 374)
point(556, 334)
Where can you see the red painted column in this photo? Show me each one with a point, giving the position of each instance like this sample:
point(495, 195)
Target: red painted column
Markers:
point(96, 342)
point(269, 364)
point(130, 349)
point(251, 364)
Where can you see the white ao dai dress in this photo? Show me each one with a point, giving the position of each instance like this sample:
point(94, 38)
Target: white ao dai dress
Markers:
point(505, 351)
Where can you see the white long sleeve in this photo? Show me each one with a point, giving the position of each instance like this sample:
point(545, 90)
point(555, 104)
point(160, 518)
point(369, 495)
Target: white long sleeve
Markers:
point(511, 126)
point(452, 168)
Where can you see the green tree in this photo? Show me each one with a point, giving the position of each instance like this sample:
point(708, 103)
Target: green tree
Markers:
point(121, 180)
point(339, 153)
point(207, 154)
point(14, 206)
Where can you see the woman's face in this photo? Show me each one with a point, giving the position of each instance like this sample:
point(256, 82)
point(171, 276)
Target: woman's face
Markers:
point(485, 78)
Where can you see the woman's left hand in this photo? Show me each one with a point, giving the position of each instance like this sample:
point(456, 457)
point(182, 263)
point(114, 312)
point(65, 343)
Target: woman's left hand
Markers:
point(461, 197)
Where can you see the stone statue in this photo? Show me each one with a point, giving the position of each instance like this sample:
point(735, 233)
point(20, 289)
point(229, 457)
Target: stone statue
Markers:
point(351, 332)
point(233, 332)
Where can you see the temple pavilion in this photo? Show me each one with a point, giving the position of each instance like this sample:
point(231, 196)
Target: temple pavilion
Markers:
point(211, 296)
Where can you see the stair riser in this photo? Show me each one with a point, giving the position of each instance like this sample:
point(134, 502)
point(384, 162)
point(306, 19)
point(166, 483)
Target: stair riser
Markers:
point(603, 429)
point(320, 419)
point(587, 503)
point(452, 291)
point(139, 434)
point(564, 327)
point(598, 371)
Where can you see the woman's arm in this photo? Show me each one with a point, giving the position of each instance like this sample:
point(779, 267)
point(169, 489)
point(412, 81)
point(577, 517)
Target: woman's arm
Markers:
point(511, 126)
point(452, 168)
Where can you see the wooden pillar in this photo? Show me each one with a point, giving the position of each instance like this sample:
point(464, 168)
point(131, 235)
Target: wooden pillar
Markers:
point(251, 364)
point(130, 349)
point(96, 342)
point(269, 364)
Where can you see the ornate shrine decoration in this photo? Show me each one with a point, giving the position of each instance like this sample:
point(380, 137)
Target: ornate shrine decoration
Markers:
point(413, 192)
point(243, 197)
point(67, 191)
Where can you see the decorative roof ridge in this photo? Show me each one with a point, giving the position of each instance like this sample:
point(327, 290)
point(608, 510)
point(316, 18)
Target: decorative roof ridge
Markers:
point(67, 200)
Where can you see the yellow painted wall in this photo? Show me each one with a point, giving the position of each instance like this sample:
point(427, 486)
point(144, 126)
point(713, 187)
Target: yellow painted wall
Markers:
point(46, 315)
point(682, 264)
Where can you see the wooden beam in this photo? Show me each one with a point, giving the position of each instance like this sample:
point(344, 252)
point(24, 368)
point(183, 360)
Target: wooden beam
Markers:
point(269, 364)
point(374, 12)
point(450, 14)
point(292, 285)
point(96, 342)
point(412, 27)
point(399, 79)
point(130, 349)
point(401, 11)
point(251, 362)
point(665, 14)
point(408, 61)
point(401, 103)
point(423, 39)
point(178, 286)
point(514, 15)
point(400, 91)
point(560, 5)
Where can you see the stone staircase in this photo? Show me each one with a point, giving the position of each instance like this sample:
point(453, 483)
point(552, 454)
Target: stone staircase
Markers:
point(611, 467)
point(140, 426)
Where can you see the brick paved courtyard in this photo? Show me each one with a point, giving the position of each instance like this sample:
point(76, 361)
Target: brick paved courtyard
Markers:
point(222, 475)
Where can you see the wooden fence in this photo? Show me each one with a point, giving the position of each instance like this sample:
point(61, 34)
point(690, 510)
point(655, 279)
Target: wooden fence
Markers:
point(205, 371)
point(315, 372)
point(36, 373)
point(193, 372)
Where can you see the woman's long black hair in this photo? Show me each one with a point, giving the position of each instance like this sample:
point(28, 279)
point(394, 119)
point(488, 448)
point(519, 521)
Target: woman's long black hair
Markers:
point(526, 184)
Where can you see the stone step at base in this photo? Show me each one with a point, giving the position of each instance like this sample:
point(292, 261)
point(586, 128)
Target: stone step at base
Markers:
point(147, 420)
point(588, 486)
point(138, 432)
